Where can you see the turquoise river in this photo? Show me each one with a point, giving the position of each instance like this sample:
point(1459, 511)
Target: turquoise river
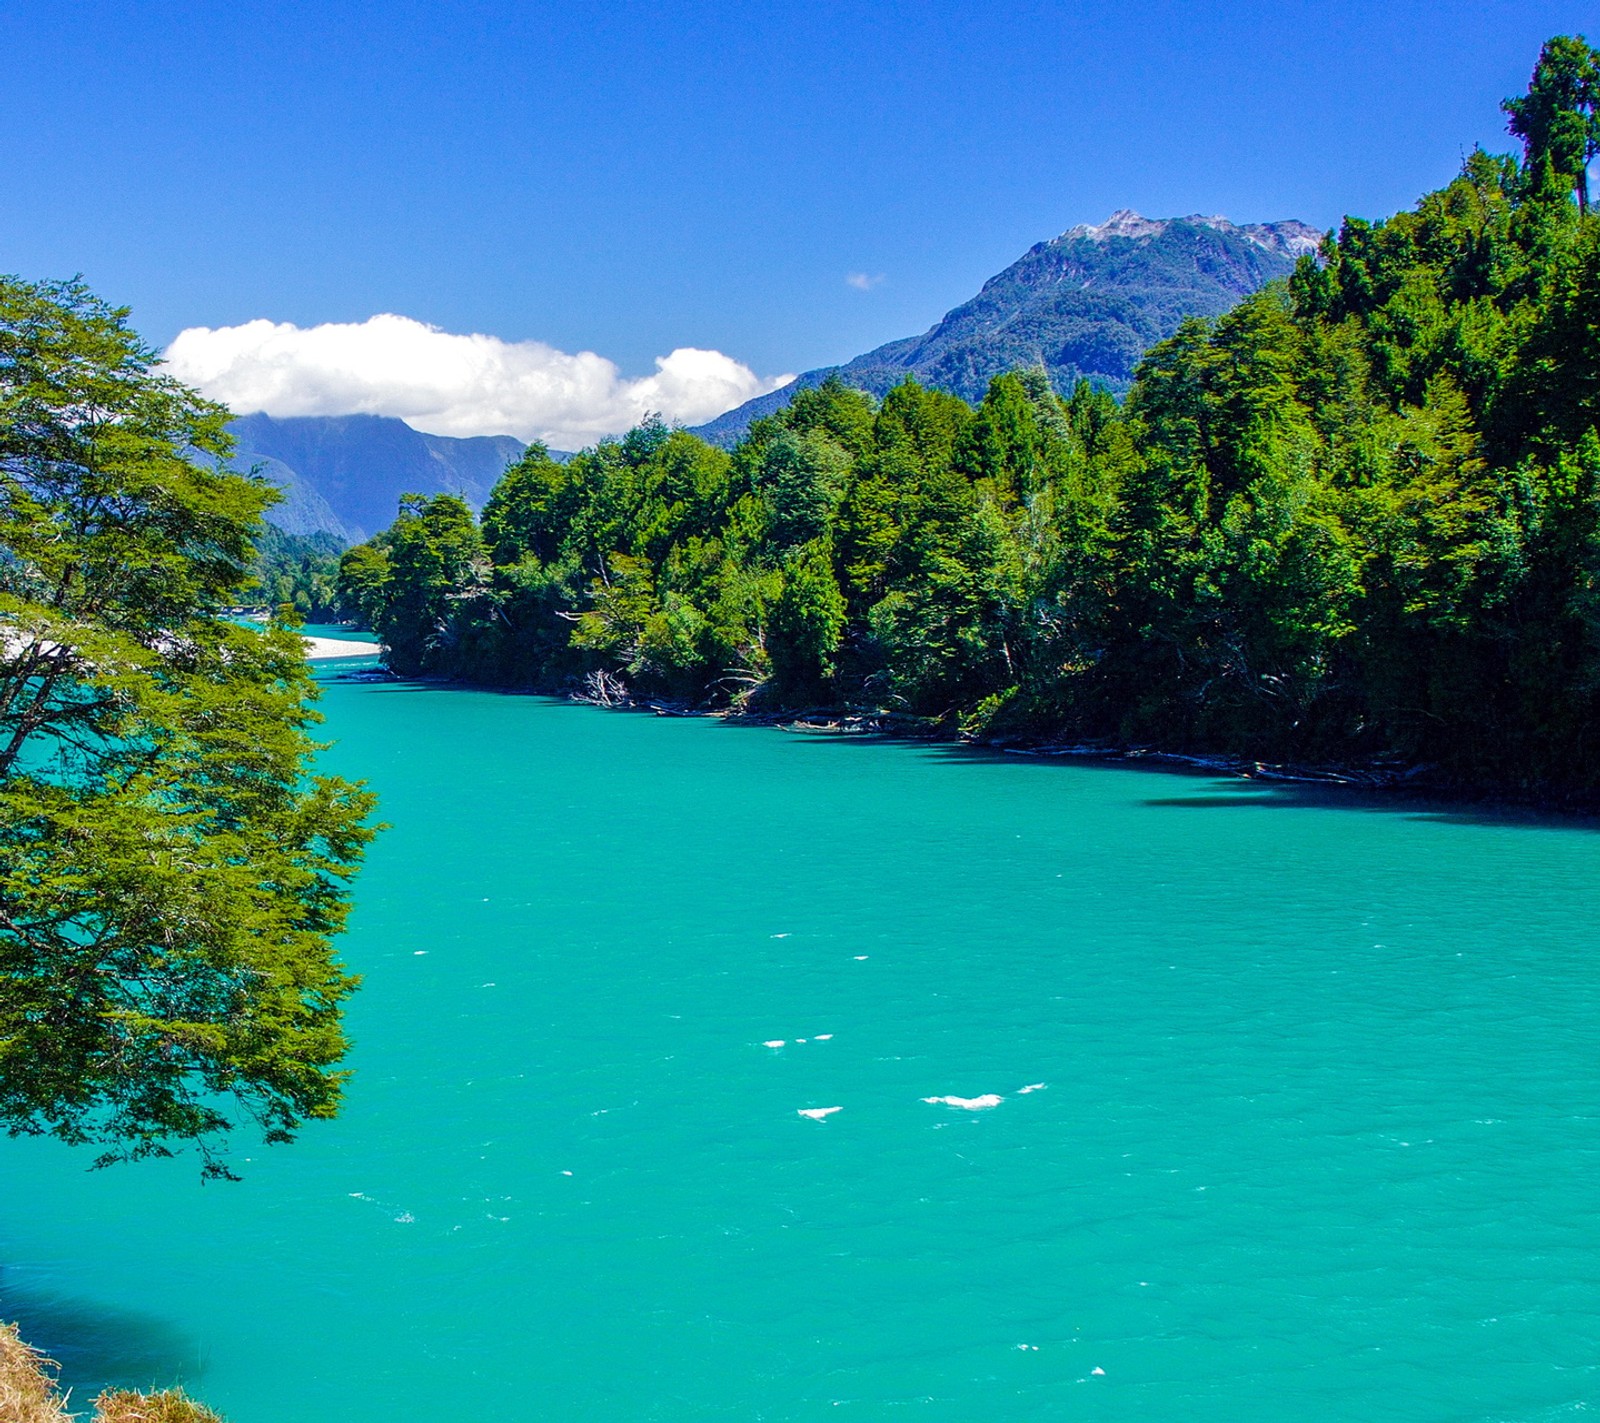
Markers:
point(1313, 1129)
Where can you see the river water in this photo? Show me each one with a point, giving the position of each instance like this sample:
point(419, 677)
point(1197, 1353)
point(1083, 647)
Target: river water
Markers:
point(1298, 1111)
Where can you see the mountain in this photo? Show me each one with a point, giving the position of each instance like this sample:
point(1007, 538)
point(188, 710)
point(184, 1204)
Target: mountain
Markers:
point(344, 474)
point(1085, 305)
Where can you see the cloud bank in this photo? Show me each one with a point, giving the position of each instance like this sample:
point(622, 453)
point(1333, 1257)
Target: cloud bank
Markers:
point(448, 384)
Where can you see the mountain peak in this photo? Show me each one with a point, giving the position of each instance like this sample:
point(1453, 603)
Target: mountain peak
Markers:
point(1288, 238)
point(1124, 222)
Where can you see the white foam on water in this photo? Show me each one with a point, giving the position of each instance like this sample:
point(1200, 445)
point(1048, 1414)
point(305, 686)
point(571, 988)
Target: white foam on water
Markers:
point(824, 1037)
point(401, 1216)
point(775, 1042)
point(1101, 1372)
point(1031, 1087)
point(968, 1104)
point(777, 936)
point(818, 1113)
point(861, 958)
point(801, 1040)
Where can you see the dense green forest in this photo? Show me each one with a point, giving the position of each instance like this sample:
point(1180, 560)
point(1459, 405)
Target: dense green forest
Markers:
point(300, 571)
point(1352, 521)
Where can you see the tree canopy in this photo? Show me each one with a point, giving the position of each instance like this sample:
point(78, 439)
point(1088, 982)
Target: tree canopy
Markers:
point(172, 870)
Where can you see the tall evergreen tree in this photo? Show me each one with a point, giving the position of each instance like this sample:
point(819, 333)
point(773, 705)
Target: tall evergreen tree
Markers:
point(1558, 119)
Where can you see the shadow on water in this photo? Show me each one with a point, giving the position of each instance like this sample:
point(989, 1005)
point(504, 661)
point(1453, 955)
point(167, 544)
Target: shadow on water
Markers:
point(1219, 790)
point(98, 1345)
point(1214, 790)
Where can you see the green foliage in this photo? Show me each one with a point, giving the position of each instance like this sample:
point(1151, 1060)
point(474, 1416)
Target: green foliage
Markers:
point(807, 620)
point(172, 873)
point(299, 571)
point(423, 584)
point(1354, 518)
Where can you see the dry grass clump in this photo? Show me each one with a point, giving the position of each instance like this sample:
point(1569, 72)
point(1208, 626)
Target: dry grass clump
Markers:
point(28, 1393)
point(171, 1405)
point(27, 1383)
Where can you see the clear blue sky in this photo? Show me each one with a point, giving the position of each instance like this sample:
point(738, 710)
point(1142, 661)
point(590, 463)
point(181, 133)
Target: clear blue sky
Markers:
point(629, 177)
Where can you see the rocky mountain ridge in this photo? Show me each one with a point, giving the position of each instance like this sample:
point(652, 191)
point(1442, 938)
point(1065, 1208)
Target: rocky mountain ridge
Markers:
point(1288, 238)
point(1085, 305)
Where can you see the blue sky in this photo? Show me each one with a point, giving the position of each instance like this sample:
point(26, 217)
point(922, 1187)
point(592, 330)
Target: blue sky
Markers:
point(632, 178)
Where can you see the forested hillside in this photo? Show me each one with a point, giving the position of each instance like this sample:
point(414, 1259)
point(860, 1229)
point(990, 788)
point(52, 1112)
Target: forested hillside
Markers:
point(1353, 520)
point(341, 474)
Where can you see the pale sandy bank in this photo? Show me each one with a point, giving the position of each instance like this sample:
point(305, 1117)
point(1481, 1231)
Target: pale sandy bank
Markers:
point(324, 649)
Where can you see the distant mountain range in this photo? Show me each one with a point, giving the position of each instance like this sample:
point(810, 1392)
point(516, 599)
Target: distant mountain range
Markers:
point(344, 474)
point(1085, 305)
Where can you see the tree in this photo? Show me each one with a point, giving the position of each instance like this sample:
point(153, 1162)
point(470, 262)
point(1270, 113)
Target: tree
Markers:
point(807, 620)
point(363, 579)
point(298, 569)
point(1558, 119)
point(436, 572)
point(172, 872)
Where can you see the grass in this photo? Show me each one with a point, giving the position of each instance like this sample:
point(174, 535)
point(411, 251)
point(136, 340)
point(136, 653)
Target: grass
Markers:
point(27, 1382)
point(171, 1405)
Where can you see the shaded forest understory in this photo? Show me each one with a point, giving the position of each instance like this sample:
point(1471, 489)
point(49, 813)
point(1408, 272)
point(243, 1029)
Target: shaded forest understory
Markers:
point(1351, 522)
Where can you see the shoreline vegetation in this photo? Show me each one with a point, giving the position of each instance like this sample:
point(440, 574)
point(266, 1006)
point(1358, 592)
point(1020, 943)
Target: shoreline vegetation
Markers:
point(1348, 532)
point(173, 870)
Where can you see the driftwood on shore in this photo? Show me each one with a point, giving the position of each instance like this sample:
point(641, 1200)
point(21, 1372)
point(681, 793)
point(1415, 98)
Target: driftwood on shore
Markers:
point(604, 689)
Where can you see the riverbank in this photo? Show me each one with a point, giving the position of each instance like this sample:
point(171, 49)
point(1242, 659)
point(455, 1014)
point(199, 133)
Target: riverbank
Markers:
point(1384, 775)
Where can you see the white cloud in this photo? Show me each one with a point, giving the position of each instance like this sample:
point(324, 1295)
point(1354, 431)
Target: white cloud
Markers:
point(863, 282)
point(449, 384)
